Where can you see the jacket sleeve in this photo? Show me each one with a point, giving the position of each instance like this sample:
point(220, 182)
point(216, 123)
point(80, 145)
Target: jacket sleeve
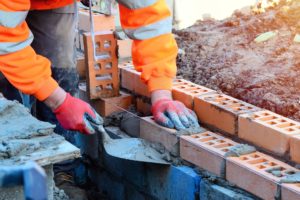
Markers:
point(27, 71)
point(149, 24)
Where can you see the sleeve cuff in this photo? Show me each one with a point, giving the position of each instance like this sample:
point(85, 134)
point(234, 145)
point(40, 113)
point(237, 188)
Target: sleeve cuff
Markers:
point(159, 83)
point(46, 90)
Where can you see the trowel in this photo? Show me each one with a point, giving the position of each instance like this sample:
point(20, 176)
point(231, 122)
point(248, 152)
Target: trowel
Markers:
point(134, 149)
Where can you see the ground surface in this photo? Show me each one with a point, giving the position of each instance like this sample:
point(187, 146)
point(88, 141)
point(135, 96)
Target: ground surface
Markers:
point(223, 55)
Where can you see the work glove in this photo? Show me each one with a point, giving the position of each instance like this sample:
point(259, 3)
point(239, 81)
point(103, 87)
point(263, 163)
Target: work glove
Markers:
point(75, 114)
point(173, 114)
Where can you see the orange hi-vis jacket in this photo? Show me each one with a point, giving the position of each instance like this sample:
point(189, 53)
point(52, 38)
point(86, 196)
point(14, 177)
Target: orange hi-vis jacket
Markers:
point(147, 22)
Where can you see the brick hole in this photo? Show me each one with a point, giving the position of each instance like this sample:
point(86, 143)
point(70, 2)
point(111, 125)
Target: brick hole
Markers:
point(285, 125)
point(207, 139)
point(99, 88)
point(195, 136)
point(249, 107)
point(210, 143)
point(225, 150)
point(268, 118)
point(97, 66)
point(271, 163)
point(221, 141)
point(103, 55)
point(254, 156)
point(237, 108)
point(102, 77)
point(290, 129)
point(107, 43)
point(271, 123)
point(220, 146)
point(205, 134)
point(265, 114)
point(243, 158)
point(256, 116)
point(260, 166)
point(195, 92)
point(109, 87)
point(289, 172)
point(260, 160)
point(108, 65)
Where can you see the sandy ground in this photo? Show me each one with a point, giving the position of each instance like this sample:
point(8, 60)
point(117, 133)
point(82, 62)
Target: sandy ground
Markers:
point(223, 55)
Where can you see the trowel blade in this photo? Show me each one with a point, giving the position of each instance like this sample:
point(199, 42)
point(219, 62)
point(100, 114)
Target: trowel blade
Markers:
point(134, 149)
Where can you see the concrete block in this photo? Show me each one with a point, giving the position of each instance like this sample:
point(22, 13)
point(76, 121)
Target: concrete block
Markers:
point(268, 130)
point(257, 173)
point(151, 131)
point(185, 91)
point(221, 111)
point(290, 191)
point(206, 150)
point(209, 191)
point(172, 183)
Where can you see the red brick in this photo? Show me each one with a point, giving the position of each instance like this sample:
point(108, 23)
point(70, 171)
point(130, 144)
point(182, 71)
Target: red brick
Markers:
point(268, 130)
point(185, 91)
point(290, 191)
point(101, 22)
point(128, 75)
point(103, 75)
point(250, 172)
point(143, 107)
point(131, 79)
point(124, 49)
point(295, 148)
point(106, 106)
point(206, 150)
point(151, 131)
point(221, 111)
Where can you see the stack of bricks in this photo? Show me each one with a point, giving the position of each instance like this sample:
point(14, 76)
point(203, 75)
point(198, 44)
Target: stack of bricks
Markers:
point(232, 118)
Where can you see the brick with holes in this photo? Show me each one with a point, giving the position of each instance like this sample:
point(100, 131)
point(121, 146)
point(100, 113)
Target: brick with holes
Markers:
point(131, 79)
point(268, 130)
point(206, 150)
point(106, 106)
point(257, 173)
point(290, 191)
point(221, 111)
point(153, 132)
point(185, 91)
point(103, 76)
point(295, 148)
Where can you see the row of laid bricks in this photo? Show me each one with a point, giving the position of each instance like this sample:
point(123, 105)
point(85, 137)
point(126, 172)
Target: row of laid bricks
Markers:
point(253, 172)
point(262, 128)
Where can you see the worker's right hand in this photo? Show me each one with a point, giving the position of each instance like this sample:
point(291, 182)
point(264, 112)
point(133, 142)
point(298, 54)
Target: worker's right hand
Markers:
point(86, 3)
point(77, 115)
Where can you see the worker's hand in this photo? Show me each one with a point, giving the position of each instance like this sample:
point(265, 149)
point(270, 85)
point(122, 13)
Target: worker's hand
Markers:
point(170, 113)
point(75, 114)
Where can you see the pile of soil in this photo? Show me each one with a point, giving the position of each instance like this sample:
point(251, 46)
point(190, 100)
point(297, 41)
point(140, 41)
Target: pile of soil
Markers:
point(223, 55)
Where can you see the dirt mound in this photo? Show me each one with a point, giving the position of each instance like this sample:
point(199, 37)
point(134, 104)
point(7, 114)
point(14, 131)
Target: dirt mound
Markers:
point(223, 55)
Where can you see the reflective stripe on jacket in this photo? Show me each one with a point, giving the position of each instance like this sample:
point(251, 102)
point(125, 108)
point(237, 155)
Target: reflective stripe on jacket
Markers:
point(19, 63)
point(154, 48)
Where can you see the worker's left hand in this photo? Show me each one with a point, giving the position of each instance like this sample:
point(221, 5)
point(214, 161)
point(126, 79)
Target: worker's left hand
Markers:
point(86, 3)
point(75, 114)
point(170, 113)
